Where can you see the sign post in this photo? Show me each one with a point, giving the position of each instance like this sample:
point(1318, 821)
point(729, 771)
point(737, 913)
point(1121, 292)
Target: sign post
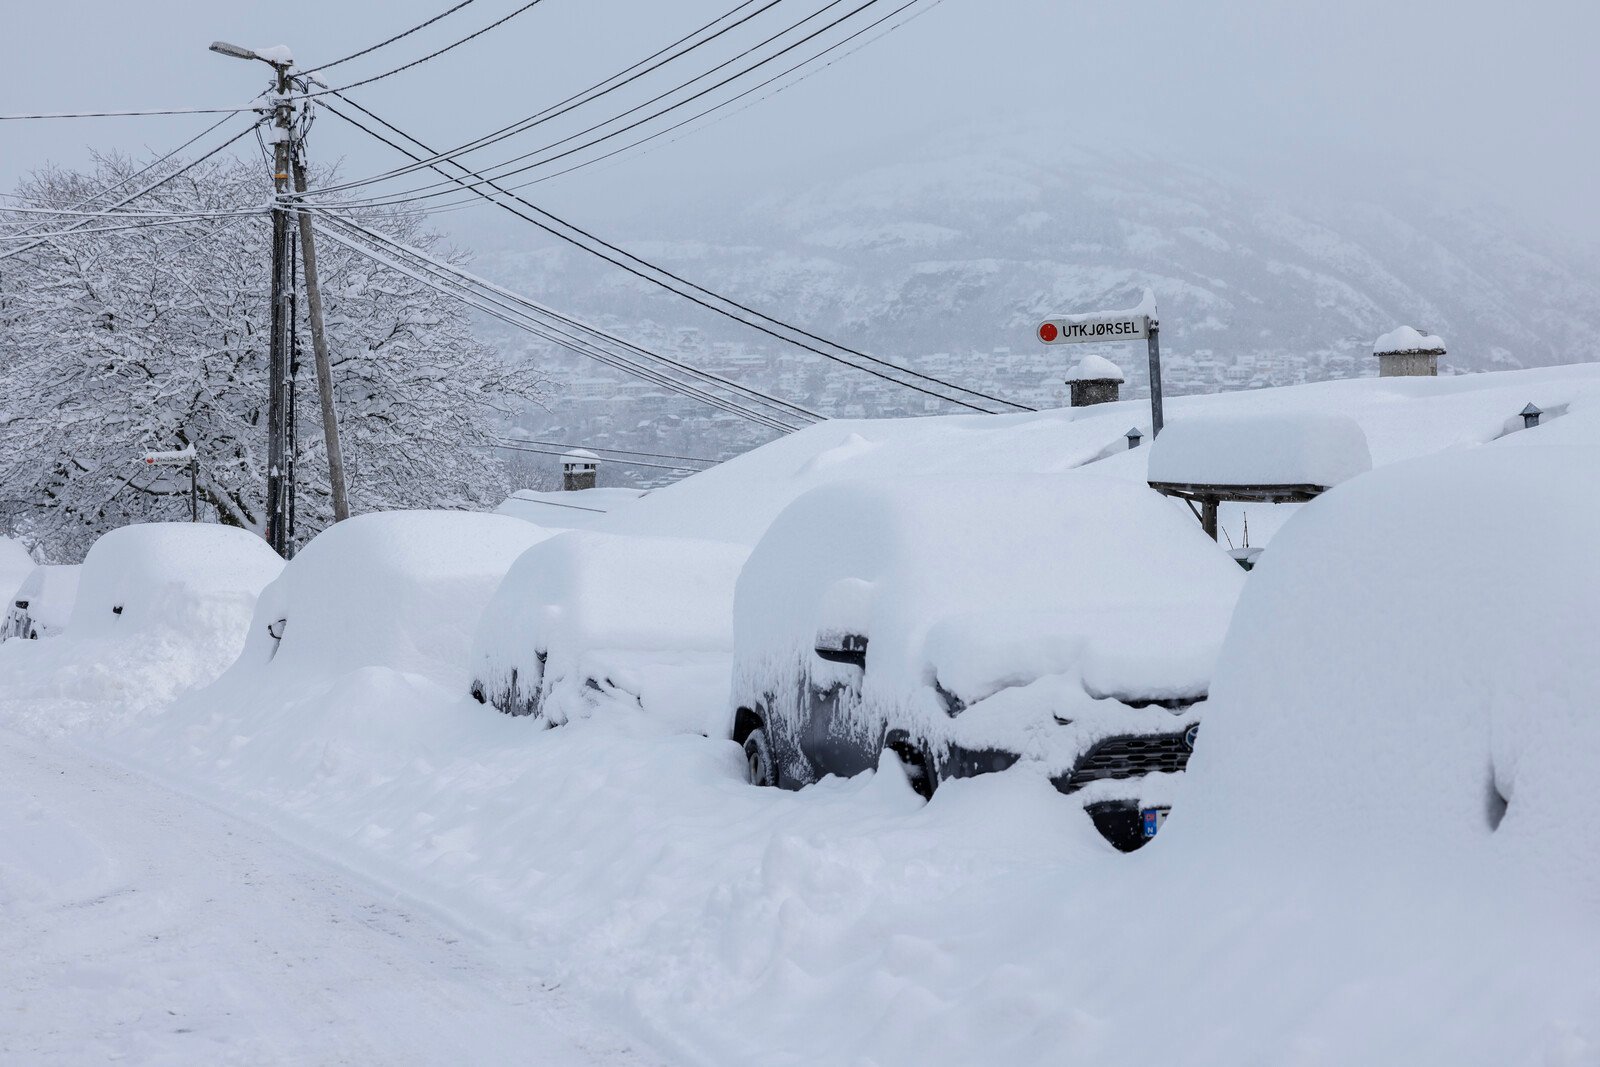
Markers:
point(183, 458)
point(1130, 325)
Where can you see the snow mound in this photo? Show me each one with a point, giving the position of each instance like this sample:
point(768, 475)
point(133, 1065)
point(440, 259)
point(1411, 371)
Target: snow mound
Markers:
point(1407, 339)
point(43, 603)
point(586, 616)
point(982, 584)
point(1307, 449)
point(576, 509)
point(1410, 679)
point(400, 590)
point(15, 566)
point(1093, 368)
point(162, 608)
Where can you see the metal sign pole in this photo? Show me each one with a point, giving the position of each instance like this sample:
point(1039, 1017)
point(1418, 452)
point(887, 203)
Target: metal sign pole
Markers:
point(1155, 378)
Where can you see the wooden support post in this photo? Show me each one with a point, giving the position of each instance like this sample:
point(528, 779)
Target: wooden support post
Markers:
point(1208, 518)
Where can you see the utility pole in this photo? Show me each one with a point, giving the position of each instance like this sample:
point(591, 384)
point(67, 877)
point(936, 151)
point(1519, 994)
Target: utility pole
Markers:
point(319, 345)
point(280, 474)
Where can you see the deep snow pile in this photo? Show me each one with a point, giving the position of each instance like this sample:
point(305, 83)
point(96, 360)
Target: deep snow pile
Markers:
point(1401, 417)
point(15, 566)
point(161, 608)
point(979, 587)
point(1256, 450)
point(576, 509)
point(586, 619)
point(42, 604)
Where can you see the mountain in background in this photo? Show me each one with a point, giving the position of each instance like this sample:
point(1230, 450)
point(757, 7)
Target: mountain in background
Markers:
point(946, 264)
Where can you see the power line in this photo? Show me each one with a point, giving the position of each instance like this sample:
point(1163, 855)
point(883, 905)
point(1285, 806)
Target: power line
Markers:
point(498, 308)
point(40, 238)
point(396, 37)
point(597, 448)
point(681, 280)
point(787, 407)
point(126, 114)
point(147, 189)
point(431, 55)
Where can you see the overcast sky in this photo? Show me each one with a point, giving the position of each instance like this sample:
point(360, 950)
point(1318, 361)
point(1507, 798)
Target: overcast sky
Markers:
point(1480, 95)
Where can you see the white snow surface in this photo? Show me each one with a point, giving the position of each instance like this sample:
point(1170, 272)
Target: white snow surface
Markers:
point(1407, 339)
point(1304, 449)
point(50, 592)
point(1327, 891)
point(185, 591)
point(646, 619)
point(1402, 418)
point(15, 565)
point(395, 590)
point(1095, 368)
point(577, 509)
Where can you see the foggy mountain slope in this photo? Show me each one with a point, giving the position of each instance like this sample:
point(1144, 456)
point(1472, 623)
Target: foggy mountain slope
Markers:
point(946, 264)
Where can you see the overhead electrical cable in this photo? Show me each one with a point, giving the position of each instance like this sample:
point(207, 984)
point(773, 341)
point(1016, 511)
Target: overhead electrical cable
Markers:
point(598, 448)
point(619, 462)
point(131, 197)
point(127, 114)
point(154, 224)
point(637, 107)
point(505, 310)
point(391, 40)
point(664, 273)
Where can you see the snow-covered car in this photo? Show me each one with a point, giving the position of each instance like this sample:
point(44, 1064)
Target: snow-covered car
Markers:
point(1066, 621)
point(586, 619)
point(43, 603)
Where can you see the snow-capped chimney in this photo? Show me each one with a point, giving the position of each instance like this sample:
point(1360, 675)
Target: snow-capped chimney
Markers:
point(1408, 353)
point(579, 468)
point(1095, 380)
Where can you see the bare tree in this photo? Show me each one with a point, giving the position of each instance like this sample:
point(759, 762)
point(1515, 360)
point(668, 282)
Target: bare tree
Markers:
point(124, 341)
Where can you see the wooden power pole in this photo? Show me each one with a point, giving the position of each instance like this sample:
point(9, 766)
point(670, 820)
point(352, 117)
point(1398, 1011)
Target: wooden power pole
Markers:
point(279, 482)
point(319, 344)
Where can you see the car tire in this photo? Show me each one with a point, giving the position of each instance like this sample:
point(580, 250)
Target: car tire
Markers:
point(761, 767)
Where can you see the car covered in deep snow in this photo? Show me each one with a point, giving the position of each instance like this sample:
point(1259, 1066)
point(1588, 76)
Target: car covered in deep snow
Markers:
point(1070, 622)
point(43, 603)
point(589, 619)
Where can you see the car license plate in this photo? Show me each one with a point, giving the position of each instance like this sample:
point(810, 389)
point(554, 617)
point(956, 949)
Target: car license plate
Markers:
point(1152, 819)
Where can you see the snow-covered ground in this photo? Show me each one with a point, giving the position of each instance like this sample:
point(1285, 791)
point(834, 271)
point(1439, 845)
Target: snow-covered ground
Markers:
point(142, 925)
point(1382, 852)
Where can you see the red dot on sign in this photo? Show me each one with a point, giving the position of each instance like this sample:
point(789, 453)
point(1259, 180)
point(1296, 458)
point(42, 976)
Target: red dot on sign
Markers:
point(1047, 332)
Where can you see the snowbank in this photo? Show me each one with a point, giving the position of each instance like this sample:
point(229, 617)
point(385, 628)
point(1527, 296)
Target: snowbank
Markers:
point(576, 509)
point(15, 566)
point(1321, 450)
point(42, 605)
point(1405, 339)
point(161, 608)
point(588, 617)
point(397, 590)
point(1410, 678)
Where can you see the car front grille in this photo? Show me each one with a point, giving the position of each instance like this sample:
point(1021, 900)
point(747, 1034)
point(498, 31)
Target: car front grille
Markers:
point(1127, 757)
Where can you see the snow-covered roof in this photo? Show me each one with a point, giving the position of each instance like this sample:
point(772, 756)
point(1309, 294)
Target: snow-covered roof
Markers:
point(1406, 339)
point(1259, 450)
point(577, 509)
point(1095, 368)
point(1401, 417)
point(993, 579)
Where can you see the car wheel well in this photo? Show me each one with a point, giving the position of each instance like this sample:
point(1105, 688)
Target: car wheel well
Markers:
point(746, 720)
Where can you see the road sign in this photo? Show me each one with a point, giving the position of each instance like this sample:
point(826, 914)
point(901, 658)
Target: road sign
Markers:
point(1077, 329)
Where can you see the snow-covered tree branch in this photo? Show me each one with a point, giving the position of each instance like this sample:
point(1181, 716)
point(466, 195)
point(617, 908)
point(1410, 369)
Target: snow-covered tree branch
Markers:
point(114, 344)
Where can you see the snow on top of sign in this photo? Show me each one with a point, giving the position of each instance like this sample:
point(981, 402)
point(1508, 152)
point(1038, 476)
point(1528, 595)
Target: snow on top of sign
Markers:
point(1407, 339)
point(1305, 449)
point(1094, 368)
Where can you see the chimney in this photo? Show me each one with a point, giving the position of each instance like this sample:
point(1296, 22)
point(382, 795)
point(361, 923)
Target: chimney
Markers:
point(1408, 353)
point(1095, 380)
point(579, 469)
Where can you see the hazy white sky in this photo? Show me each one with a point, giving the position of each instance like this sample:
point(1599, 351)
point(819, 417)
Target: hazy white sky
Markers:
point(1476, 94)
